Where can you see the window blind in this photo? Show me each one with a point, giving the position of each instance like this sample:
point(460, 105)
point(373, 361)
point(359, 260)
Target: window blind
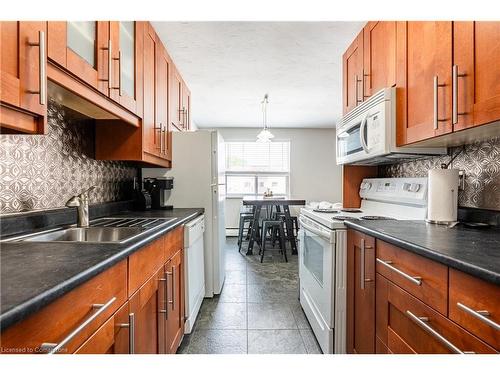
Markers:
point(257, 157)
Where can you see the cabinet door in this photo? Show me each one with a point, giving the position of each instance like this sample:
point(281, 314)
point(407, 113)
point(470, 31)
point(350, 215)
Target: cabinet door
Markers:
point(186, 108)
point(476, 54)
point(126, 65)
point(414, 327)
point(379, 54)
point(145, 305)
point(163, 66)
point(82, 48)
point(427, 88)
point(113, 337)
point(175, 98)
point(23, 84)
point(353, 74)
point(151, 133)
point(175, 316)
point(360, 293)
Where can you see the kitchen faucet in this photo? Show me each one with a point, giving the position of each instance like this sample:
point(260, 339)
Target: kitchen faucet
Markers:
point(81, 202)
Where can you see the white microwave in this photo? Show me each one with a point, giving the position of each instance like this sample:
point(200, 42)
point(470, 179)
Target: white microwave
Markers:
point(367, 134)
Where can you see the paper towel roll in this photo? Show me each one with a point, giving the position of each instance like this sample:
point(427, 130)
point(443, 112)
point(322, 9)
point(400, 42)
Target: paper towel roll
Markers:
point(442, 195)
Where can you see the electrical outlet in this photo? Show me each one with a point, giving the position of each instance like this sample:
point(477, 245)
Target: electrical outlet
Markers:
point(461, 179)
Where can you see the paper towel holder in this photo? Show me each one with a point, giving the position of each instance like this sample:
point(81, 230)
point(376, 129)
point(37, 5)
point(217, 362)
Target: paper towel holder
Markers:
point(448, 217)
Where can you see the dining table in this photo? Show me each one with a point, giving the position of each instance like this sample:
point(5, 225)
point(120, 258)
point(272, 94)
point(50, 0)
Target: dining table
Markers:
point(282, 201)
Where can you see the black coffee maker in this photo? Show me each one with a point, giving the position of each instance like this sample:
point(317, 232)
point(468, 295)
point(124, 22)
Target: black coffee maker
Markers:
point(159, 189)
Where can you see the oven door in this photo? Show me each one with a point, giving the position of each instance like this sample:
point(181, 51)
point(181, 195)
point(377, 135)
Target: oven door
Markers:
point(317, 268)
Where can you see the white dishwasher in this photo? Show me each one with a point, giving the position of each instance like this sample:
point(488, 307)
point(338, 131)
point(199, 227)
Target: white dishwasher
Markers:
point(194, 269)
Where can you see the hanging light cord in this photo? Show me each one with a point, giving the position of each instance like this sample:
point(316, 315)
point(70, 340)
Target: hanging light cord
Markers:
point(264, 110)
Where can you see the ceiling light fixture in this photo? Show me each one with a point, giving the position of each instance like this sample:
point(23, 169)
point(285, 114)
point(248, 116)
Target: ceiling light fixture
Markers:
point(265, 135)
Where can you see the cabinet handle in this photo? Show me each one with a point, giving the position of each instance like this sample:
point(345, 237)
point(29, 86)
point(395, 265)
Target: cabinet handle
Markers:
point(422, 322)
point(171, 274)
point(356, 89)
point(52, 348)
point(165, 280)
point(159, 130)
point(362, 264)
point(131, 332)
point(119, 59)
point(110, 65)
point(436, 102)
point(181, 117)
point(363, 248)
point(414, 279)
point(42, 73)
point(174, 276)
point(481, 315)
point(455, 75)
point(165, 139)
point(365, 76)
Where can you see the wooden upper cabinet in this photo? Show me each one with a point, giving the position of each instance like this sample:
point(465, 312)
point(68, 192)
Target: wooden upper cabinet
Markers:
point(163, 66)
point(476, 58)
point(186, 107)
point(424, 80)
point(360, 293)
point(176, 114)
point(127, 64)
point(23, 84)
point(353, 74)
point(379, 56)
point(82, 48)
point(150, 132)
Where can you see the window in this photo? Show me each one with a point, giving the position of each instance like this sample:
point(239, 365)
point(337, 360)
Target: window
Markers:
point(253, 167)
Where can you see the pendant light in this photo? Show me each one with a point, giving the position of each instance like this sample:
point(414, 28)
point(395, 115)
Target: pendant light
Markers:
point(265, 135)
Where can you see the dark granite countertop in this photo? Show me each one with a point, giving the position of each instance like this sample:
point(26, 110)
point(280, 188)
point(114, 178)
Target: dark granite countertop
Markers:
point(33, 274)
point(474, 251)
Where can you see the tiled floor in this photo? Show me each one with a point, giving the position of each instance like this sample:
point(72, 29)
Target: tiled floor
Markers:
point(257, 312)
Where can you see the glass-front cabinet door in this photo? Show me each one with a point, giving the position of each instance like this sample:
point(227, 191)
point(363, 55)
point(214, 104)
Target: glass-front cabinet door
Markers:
point(81, 47)
point(126, 41)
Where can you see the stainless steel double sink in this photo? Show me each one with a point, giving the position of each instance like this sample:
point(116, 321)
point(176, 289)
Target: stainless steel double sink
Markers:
point(105, 230)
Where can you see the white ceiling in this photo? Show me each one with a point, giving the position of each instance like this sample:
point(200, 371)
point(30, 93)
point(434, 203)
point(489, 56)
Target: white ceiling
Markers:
point(229, 66)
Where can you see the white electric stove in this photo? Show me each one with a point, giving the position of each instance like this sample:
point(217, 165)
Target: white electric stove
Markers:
point(323, 247)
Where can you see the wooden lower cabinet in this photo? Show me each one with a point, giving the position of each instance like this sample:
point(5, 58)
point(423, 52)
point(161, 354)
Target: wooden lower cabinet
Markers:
point(150, 321)
point(413, 327)
point(175, 302)
point(360, 293)
point(449, 312)
point(145, 304)
point(114, 335)
point(474, 305)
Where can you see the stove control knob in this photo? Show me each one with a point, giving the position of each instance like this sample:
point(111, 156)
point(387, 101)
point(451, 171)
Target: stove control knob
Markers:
point(414, 188)
point(406, 186)
point(366, 185)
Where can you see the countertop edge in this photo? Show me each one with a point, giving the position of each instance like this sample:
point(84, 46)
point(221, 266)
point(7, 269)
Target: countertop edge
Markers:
point(31, 306)
point(468, 268)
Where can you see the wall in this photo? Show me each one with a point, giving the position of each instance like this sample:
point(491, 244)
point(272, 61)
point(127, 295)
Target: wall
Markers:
point(44, 171)
point(481, 163)
point(314, 175)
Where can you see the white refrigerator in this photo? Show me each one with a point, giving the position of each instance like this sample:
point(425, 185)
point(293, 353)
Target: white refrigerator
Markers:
point(198, 163)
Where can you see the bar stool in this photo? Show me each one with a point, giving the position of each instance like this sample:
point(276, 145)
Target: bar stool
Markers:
point(245, 217)
point(273, 226)
point(295, 221)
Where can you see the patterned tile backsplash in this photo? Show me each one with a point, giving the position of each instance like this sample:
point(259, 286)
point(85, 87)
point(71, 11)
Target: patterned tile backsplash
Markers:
point(42, 172)
point(481, 163)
